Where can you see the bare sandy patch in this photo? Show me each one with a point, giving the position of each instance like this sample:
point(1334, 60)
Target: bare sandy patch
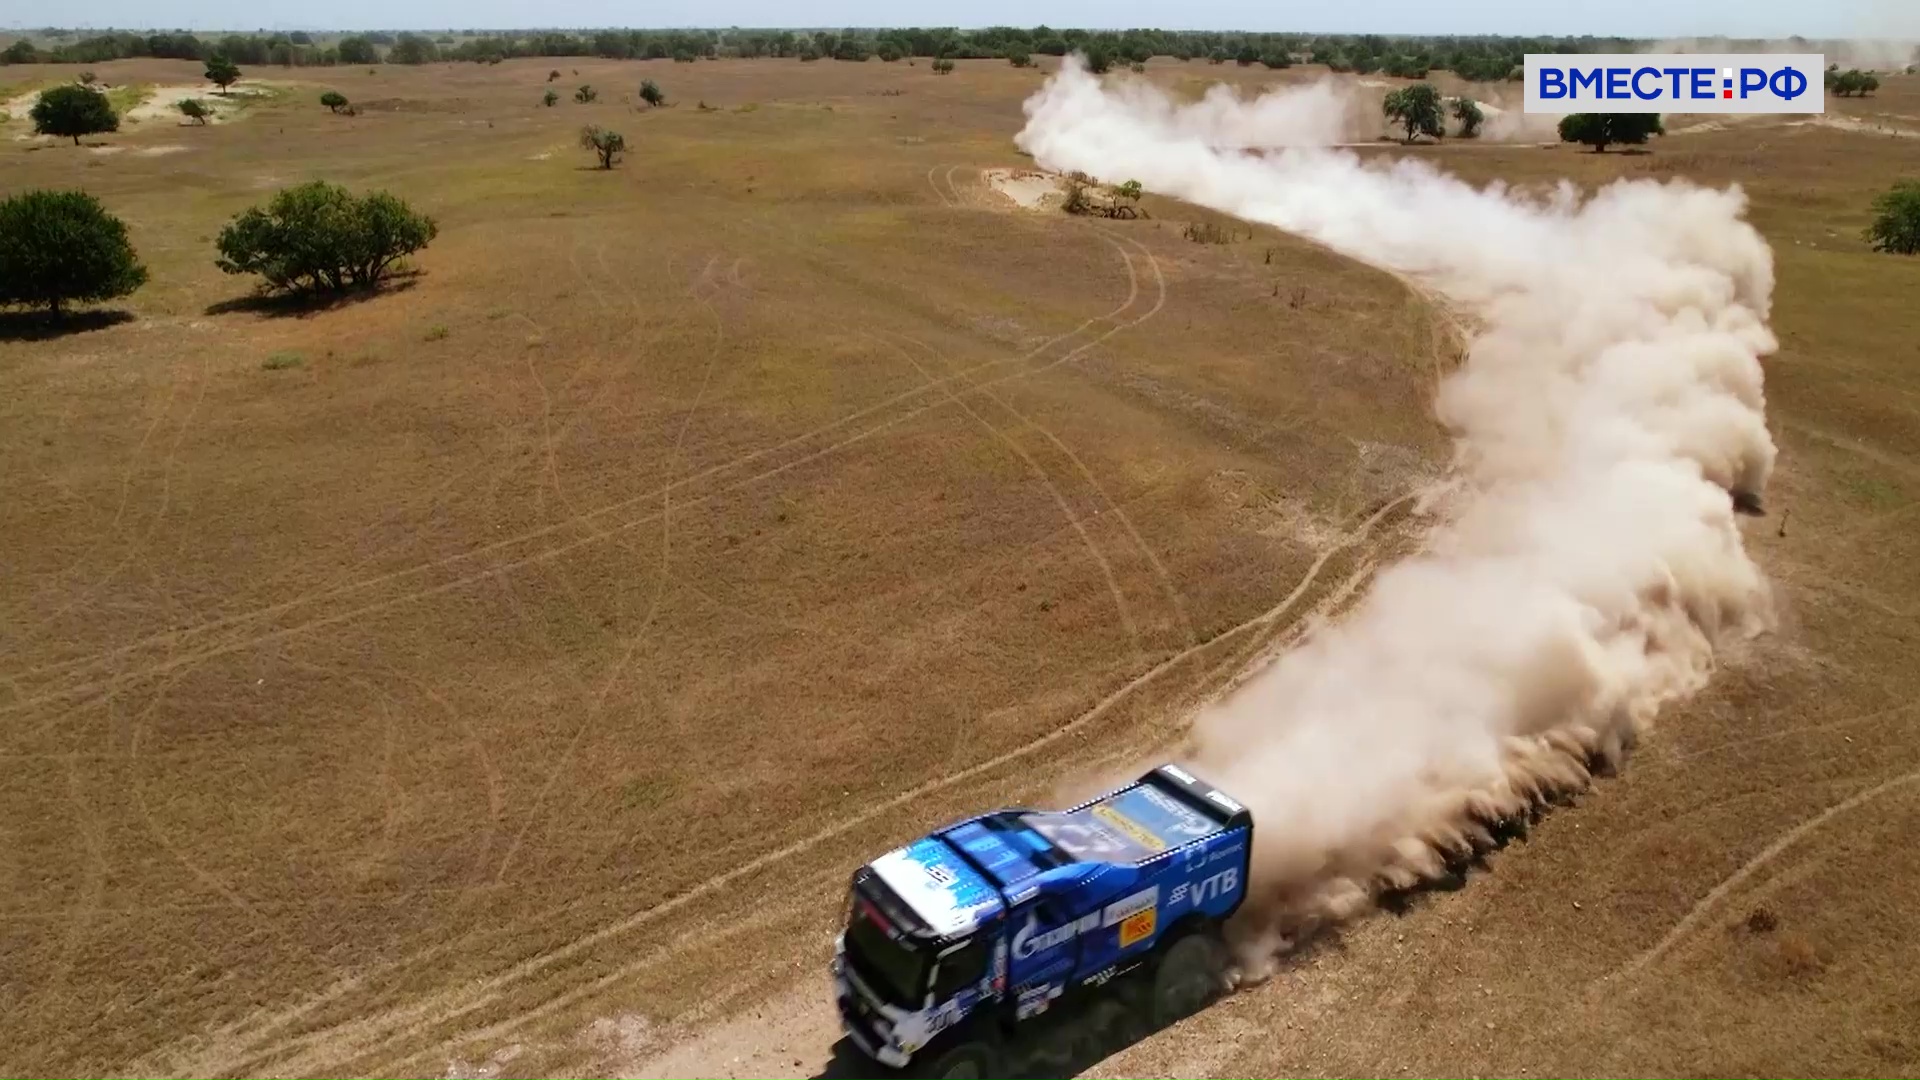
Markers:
point(1858, 127)
point(163, 103)
point(159, 151)
point(1030, 189)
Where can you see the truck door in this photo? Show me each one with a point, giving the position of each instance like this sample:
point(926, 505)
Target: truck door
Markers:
point(1044, 954)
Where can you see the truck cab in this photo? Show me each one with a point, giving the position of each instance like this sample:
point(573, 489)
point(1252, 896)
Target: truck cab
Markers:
point(954, 940)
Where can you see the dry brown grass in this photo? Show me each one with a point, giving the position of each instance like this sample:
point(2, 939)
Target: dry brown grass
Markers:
point(425, 697)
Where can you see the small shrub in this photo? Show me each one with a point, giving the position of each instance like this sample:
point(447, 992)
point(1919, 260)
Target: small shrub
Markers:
point(1020, 58)
point(88, 78)
point(1129, 190)
point(1799, 957)
point(334, 100)
point(1137, 69)
point(73, 110)
point(58, 247)
point(1600, 130)
point(553, 75)
point(651, 94)
point(195, 110)
point(281, 361)
point(318, 237)
point(437, 332)
point(1467, 111)
point(1896, 222)
point(607, 144)
point(1206, 232)
point(942, 66)
point(585, 94)
point(1762, 920)
point(549, 98)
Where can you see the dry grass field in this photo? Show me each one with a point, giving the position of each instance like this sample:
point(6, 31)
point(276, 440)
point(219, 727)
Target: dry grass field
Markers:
point(501, 675)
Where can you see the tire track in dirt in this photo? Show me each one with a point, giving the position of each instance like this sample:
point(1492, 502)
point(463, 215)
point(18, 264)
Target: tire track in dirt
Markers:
point(597, 704)
point(179, 658)
point(1046, 480)
point(1683, 929)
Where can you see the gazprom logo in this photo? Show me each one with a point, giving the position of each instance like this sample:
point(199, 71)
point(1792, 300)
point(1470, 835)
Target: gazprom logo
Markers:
point(1676, 83)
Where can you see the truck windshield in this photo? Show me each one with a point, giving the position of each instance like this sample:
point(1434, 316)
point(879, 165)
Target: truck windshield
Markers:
point(894, 969)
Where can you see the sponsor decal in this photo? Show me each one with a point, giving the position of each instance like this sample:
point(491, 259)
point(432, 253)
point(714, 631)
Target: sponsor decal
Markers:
point(1031, 940)
point(1143, 900)
point(1215, 887)
point(1178, 894)
point(1134, 831)
point(1179, 773)
point(1137, 928)
point(1220, 800)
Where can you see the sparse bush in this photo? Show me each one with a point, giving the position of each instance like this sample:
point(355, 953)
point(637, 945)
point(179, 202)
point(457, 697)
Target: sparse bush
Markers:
point(1851, 83)
point(1206, 232)
point(281, 361)
point(888, 52)
point(650, 93)
point(1019, 58)
point(1762, 920)
point(553, 75)
point(437, 332)
point(334, 100)
point(1799, 957)
point(1129, 191)
point(1137, 68)
point(942, 66)
point(1601, 130)
point(1896, 220)
point(88, 78)
point(683, 56)
point(73, 110)
point(318, 237)
point(549, 99)
point(585, 94)
point(221, 72)
point(61, 247)
point(607, 144)
point(195, 110)
point(1276, 60)
point(1416, 108)
point(1467, 111)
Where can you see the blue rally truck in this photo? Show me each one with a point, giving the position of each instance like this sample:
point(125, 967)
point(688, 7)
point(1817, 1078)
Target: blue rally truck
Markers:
point(955, 940)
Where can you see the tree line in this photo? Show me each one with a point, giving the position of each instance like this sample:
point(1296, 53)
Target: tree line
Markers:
point(1482, 58)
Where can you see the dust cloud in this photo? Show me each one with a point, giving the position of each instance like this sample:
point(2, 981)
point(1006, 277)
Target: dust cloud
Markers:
point(1587, 560)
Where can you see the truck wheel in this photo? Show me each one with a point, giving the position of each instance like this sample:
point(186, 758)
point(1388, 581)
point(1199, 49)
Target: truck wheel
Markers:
point(1187, 979)
point(973, 1060)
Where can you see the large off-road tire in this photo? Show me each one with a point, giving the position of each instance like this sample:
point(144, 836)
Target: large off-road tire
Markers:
point(1189, 976)
point(969, 1060)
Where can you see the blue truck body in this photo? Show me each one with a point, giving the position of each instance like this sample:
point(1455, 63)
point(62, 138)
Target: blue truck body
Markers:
point(991, 920)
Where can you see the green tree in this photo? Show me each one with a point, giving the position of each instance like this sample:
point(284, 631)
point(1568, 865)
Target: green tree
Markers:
point(318, 237)
point(1416, 108)
point(62, 247)
point(1601, 130)
point(221, 72)
point(608, 144)
point(334, 100)
point(1019, 58)
point(1467, 111)
point(73, 110)
point(1896, 221)
point(585, 94)
point(1247, 56)
point(888, 52)
point(1098, 60)
point(549, 98)
point(1130, 191)
point(1276, 59)
point(195, 110)
point(651, 94)
point(943, 66)
point(20, 52)
point(412, 49)
point(357, 49)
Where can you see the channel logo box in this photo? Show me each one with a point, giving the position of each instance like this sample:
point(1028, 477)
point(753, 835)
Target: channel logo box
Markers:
point(1676, 83)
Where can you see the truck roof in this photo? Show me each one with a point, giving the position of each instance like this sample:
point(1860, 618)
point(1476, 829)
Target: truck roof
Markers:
point(962, 875)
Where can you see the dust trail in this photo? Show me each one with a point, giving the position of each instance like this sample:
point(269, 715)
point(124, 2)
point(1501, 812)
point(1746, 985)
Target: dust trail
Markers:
point(1589, 560)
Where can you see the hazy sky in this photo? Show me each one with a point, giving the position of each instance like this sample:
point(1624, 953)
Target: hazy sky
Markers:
point(1633, 18)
